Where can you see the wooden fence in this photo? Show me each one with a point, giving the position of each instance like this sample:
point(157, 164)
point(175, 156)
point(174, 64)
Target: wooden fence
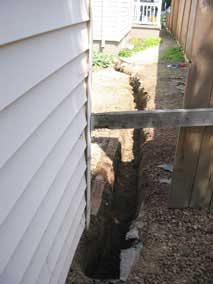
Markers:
point(191, 22)
point(182, 21)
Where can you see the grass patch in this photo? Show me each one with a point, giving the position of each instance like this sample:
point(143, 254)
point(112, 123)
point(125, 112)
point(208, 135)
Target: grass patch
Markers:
point(151, 42)
point(126, 52)
point(139, 45)
point(174, 54)
point(102, 60)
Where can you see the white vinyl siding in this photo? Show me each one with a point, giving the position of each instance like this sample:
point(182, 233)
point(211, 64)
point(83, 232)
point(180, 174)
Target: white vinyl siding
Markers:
point(30, 18)
point(112, 19)
point(44, 49)
point(126, 17)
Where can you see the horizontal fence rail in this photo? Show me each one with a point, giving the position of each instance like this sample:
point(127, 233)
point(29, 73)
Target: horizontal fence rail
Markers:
point(147, 13)
point(153, 119)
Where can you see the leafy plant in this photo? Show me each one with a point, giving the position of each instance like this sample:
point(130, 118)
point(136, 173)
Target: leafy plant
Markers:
point(139, 45)
point(151, 42)
point(174, 54)
point(126, 52)
point(137, 42)
point(102, 59)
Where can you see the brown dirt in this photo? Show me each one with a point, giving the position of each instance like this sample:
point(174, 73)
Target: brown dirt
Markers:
point(112, 92)
point(177, 246)
point(114, 184)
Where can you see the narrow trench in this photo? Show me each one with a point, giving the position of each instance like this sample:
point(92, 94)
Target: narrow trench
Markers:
point(124, 208)
point(125, 201)
point(99, 254)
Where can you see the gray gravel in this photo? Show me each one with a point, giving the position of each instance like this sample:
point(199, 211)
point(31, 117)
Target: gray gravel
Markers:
point(178, 244)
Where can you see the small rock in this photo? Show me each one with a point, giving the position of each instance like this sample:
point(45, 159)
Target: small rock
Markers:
point(165, 181)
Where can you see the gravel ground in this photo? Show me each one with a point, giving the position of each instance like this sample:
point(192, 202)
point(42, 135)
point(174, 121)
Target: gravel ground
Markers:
point(178, 244)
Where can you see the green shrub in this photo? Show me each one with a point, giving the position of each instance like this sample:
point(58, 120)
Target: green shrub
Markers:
point(174, 54)
point(139, 45)
point(137, 42)
point(102, 59)
point(126, 52)
point(151, 42)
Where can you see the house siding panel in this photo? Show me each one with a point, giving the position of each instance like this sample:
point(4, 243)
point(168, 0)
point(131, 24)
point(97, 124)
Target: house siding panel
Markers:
point(112, 19)
point(126, 16)
point(53, 91)
point(43, 122)
point(19, 21)
point(42, 56)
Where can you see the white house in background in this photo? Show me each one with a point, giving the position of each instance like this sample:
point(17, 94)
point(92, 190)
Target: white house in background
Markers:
point(44, 49)
point(114, 20)
point(147, 12)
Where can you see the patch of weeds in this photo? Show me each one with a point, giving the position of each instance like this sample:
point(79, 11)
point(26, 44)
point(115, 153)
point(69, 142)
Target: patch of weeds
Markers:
point(102, 59)
point(151, 42)
point(126, 52)
point(174, 54)
point(139, 45)
point(136, 42)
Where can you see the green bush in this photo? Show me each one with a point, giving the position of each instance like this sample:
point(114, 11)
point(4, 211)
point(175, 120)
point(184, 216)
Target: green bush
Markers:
point(174, 54)
point(102, 60)
point(137, 42)
point(151, 42)
point(139, 45)
point(126, 52)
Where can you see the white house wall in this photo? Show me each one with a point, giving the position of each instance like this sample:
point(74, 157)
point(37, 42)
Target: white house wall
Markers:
point(43, 96)
point(112, 19)
point(126, 17)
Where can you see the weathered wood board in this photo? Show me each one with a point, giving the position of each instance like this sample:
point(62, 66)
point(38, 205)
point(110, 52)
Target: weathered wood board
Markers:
point(175, 16)
point(180, 18)
point(191, 28)
point(185, 24)
point(153, 119)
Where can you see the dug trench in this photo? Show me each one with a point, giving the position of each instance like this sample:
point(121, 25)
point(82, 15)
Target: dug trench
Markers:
point(102, 255)
point(118, 214)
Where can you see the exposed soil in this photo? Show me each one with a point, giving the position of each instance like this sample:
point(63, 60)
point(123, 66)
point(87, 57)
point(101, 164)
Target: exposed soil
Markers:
point(113, 92)
point(114, 185)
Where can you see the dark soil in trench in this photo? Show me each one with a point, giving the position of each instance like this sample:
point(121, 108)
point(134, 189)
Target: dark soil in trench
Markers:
point(123, 212)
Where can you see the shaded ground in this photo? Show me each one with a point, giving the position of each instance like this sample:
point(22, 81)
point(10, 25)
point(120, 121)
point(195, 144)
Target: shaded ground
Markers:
point(177, 246)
